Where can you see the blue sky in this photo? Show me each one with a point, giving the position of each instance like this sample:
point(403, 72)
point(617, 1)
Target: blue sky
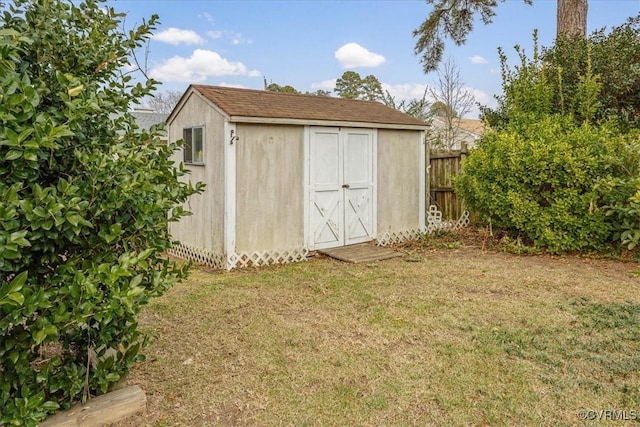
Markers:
point(308, 44)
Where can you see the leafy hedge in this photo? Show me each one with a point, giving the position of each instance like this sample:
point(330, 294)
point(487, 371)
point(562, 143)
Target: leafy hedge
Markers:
point(547, 182)
point(85, 200)
point(553, 170)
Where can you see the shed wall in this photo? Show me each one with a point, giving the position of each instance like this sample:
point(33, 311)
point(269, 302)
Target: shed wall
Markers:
point(204, 229)
point(269, 187)
point(398, 180)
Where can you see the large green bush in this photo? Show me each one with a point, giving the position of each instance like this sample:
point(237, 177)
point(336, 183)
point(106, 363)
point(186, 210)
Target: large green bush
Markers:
point(85, 199)
point(562, 178)
point(545, 182)
point(622, 206)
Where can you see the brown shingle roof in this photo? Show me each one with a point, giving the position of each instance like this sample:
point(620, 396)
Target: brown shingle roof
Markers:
point(277, 105)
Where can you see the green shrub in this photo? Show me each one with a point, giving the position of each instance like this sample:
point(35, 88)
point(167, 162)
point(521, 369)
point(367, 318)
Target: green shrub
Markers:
point(543, 181)
point(560, 70)
point(614, 55)
point(555, 170)
point(623, 207)
point(85, 199)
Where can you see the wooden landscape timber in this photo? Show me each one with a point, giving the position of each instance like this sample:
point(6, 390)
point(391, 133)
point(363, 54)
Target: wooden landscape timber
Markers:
point(103, 410)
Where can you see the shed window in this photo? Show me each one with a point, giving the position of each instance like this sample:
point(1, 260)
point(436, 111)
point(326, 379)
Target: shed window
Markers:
point(193, 145)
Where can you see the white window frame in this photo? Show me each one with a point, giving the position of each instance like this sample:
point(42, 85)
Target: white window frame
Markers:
point(189, 145)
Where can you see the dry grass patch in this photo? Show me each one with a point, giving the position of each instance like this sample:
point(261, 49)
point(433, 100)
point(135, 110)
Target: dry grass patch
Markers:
point(459, 337)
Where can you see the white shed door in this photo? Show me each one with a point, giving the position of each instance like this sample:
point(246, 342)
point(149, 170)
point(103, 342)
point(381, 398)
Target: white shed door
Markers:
point(341, 187)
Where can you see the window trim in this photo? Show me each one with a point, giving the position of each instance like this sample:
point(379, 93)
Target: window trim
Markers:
point(189, 145)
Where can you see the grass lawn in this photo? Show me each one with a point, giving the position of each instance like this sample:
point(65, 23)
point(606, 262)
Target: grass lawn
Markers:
point(439, 337)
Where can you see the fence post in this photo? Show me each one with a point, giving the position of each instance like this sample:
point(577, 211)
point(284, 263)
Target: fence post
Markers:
point(443, 167)
point(427, 177)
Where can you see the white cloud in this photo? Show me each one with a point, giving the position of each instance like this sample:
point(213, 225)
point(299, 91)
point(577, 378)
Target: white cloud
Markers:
point(129, 67)
point(477, 59)
point(237, 38)
point(353, 55)
point(481, 97)
point(325, 85)
point(406, 91)
point(214, 34)
point(225, 84)
point(232, 36)
point(176, 36)
point(200, 65)
point(207, 16)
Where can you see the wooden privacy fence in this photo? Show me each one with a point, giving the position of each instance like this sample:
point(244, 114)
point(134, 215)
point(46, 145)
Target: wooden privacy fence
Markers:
point(444, 165)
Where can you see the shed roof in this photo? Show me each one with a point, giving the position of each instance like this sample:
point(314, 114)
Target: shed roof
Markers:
point(249, 103)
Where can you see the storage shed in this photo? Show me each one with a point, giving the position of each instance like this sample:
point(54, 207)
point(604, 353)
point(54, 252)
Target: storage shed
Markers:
point(287, 174)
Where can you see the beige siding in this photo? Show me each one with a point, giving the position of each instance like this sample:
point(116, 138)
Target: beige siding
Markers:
point(269, 183)
point(398, 180)
point(203, 229)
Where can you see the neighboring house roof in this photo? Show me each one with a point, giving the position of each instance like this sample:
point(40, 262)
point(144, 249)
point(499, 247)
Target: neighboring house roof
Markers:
point(471, 126)
point(465, 132)
point(248, 105)
point(474, 126)
point(147, 118)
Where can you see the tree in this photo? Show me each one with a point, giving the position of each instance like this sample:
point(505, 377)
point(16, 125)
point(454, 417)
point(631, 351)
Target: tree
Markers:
point(452, 101)
point(349, 85)
point(440, 109)
point(572, 18)
point(416, 107)
point(274, 87)
point(352, 86)
point(611, 56)
point(164, 102)
point(614, 56)
point(319, 92)
point(454, 19)
point(371, 88)
point(85, 200)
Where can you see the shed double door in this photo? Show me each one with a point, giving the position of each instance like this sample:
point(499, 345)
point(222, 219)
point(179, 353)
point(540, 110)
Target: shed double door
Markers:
point(341, 186)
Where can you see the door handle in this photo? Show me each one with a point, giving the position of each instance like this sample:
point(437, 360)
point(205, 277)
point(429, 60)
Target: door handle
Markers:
point(345, 186)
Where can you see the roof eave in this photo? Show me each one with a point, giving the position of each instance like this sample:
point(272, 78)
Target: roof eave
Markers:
point(192, 89)
point(317, 122)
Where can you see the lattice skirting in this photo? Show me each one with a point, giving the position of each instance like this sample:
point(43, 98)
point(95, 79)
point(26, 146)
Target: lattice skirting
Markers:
point(243, 259)
point(254, 259)
point(393, 237)
point(198, 255)
point(436, 223)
